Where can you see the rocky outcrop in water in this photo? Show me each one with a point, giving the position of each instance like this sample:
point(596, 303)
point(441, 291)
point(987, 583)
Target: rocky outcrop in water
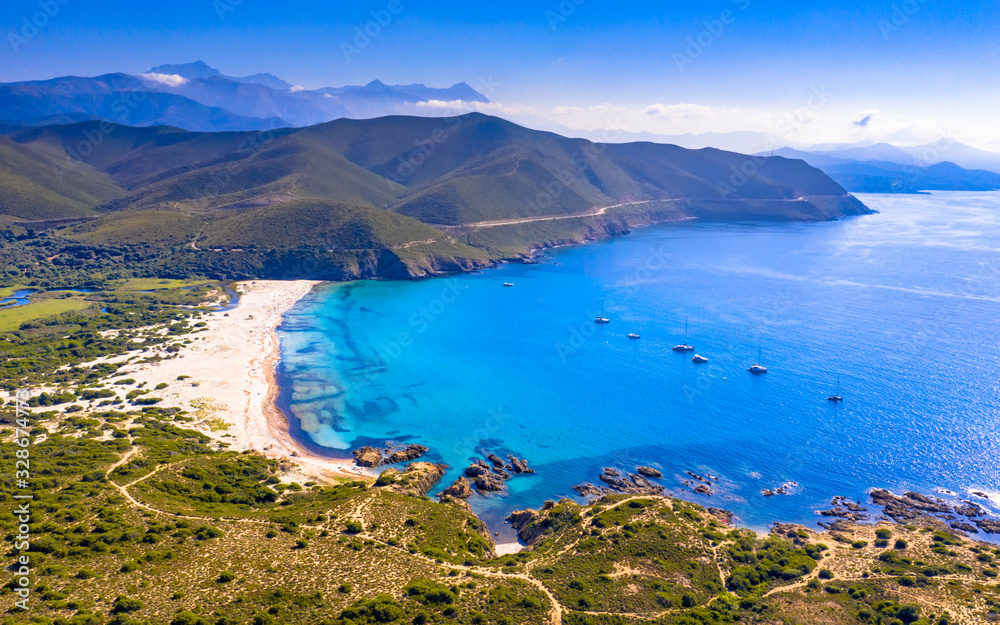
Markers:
point(412, 452)
point(492, 476)
point(519, 465)
point(990, 526)
point(908, 508)
point(367, 457)
point(784, 489)
point(935, 512)
point(964, 527)
point(489, 484)
point(631, 483)
point(649, 472)
point(970, 510)
point(846, 509)
point(589, 490)
point(460, 489)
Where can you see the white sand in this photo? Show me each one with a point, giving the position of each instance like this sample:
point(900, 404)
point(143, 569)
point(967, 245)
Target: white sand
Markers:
point(505, 549)
point(232, 386)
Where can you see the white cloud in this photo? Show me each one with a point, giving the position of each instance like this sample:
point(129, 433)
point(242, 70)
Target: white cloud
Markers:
point(169, 80)
point(297, 88)
point(678, 118)
point(464, 106)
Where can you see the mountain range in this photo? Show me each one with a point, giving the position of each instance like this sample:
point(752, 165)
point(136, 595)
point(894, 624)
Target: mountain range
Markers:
point(884, 168)
point(422, 194)
point(863, 167)
point(197, 97)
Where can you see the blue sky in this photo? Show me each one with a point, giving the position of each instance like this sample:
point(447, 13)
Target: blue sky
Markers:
point(914, 68)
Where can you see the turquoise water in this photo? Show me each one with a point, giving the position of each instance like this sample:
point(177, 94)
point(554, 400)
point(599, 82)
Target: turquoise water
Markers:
point(902, 306)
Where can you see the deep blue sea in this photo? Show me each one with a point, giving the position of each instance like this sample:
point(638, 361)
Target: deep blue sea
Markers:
point(902, 307)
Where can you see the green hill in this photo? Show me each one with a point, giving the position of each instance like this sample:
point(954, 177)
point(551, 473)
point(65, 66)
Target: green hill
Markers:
point(33, 187)
point(317, 224)
point(376, 192)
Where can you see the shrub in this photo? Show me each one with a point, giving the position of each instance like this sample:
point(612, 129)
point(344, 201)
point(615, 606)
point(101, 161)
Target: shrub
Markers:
point(900, 544)
point(207, 532)
point(908, 612)
point(427, 592)
point(381, 609)
point(226, 577)
point(354, 527)
point(124, 605)
point(825, 574)
point(187, 617)
point(385, 479)
point(883, 533)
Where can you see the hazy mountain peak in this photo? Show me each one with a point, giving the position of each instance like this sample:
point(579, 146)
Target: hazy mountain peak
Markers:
point(197, 69)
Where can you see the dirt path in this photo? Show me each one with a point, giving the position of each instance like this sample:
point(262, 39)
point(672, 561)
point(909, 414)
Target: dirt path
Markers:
point(364, 505)
point(594, 212)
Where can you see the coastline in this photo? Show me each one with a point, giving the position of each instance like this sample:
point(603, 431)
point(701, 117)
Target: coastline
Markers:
point(226, 377)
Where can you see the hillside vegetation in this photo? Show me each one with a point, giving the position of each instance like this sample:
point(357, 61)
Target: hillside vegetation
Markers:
point(417, 195)
point(32, 188)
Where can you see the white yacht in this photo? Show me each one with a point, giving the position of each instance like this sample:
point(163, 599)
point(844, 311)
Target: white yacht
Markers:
point(601, 319)
point(684, 347)
point(758, 368)
point(837, 397)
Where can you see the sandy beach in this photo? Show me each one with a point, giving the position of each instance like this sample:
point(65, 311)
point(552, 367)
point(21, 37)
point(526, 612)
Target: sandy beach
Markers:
point(230, 386)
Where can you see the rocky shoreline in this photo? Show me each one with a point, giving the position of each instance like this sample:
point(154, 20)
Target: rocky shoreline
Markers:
point(490, 474)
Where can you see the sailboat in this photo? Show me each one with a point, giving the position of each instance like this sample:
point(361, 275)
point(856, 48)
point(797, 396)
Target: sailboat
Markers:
point(634, 335)
point(758, 368)
point(838, 396)
point(601, 319)
point(684, 347)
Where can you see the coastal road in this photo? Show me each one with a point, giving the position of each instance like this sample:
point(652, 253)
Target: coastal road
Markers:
point(594, 212)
